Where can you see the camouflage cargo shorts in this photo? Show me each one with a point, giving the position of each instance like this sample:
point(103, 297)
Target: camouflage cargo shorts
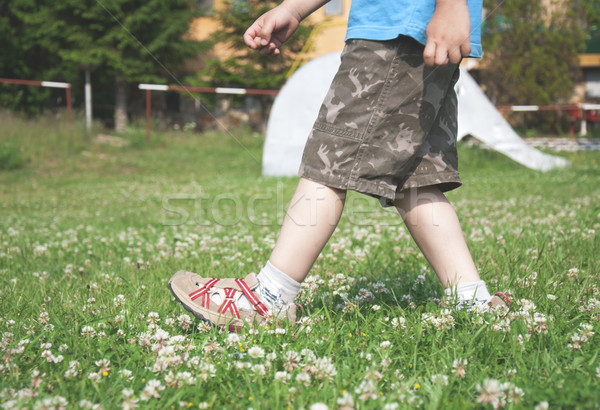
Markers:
point(388, 123)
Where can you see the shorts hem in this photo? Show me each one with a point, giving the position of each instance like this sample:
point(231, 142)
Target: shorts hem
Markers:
point(445, 181)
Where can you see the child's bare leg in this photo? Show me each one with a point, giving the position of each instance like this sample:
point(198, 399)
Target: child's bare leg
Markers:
point(311, 218)
point(434, 226)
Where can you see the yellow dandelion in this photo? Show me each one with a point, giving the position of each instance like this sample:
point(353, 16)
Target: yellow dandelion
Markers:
point(190, 404)
point(364, 334)
point(349, 334)
point(250, 398)
point(105, 373)
point(410, 365)
point(417, 386)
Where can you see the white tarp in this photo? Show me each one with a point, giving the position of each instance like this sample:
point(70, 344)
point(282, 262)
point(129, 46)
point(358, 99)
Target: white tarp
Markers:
point(297, 105)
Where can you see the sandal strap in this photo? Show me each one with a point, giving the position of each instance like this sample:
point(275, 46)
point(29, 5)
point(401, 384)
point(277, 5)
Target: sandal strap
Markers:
point(203, 291)
point(258, 305)
point(229, 303)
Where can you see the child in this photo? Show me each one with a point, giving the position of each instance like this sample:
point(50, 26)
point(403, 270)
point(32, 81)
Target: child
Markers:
point(387, 128)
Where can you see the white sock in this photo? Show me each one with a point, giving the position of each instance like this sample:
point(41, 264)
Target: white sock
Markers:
point(275, 289)
point(470, 292)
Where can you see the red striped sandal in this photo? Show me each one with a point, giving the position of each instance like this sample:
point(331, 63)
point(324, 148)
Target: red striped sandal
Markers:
point(500, 299)
point(194, 293)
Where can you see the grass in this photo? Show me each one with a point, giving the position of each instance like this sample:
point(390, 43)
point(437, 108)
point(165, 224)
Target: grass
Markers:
point(91, 233)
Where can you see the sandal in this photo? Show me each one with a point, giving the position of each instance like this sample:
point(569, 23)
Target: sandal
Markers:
point(194, 293)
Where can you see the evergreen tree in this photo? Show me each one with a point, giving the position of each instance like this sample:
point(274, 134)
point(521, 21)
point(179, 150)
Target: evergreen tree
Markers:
point(22, 57)
point(126, 40)
point(244, 67)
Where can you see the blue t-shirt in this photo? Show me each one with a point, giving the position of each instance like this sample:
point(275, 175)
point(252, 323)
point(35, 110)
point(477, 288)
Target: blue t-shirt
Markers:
point(387, 19)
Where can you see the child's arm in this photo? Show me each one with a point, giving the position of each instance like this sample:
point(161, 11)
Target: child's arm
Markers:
point(274, 27)
point(448, 33)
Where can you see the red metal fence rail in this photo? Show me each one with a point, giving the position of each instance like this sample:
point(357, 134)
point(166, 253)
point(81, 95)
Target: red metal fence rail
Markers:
point(48, 84)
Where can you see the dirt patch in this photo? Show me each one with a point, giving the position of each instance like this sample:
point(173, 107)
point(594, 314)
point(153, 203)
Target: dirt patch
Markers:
point(111, 140)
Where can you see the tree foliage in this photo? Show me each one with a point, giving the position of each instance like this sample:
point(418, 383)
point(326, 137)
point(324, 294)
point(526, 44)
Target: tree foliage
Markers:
point(130, 40)
point(244, 67)
point(532, 51)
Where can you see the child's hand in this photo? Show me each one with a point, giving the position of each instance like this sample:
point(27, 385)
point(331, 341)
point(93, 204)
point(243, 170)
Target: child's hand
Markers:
point(448, 33)
point(271, 29)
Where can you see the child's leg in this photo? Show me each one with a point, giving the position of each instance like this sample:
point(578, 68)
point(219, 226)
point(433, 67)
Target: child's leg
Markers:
point(311, 218)
point(434, 226)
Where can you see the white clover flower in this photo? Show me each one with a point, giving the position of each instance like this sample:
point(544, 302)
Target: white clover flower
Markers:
point(386, 344)
point(85, 404)
point(204, 327)
point(232, 339)
point(153, 317)
point(258, 370)
point(185, 321)
point(375, 307)
point(282, 376)
point(151, 390)
point(126, 374)
point(303, 378)
point(367, 390)
point(44, 318)
point(440, 379)
point(459, 366)
point(346, 401)
point(56, 402)
point(88, 331)
point(256, 352)
point(271, 356)
point(318, 406)
point(490, 392)
point(73, 370)
point(119, 300)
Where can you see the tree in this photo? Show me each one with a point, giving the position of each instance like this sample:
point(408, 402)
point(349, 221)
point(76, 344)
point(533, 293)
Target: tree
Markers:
point(22, 57)
point(128, 40)
point(532, 48)
point(244, 67)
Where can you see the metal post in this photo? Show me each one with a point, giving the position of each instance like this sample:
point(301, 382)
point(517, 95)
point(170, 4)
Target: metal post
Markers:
point(88, 101)
point(583, 128)
point(148, 113)
point(69, 110)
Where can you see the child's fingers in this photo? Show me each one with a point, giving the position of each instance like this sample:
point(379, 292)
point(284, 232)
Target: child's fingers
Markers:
point(465, 48)
point(455, 55)
point(429, 53)
point(252, 35)
point(266, 31)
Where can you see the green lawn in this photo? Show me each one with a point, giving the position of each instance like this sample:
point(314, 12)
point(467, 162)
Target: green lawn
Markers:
point(91, 233)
